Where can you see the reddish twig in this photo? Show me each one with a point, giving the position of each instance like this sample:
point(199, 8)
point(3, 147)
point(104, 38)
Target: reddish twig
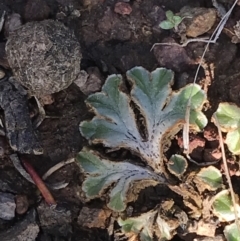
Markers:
point(39, 183)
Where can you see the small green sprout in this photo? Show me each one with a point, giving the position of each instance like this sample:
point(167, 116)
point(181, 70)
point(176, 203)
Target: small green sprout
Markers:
point(171, 22)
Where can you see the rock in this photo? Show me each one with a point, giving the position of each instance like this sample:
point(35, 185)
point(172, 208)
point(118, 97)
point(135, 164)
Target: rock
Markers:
point(24, 230)
point(197, 21)
point(55, 221)
point(3, 57)
point(45, 58)
point(157, 15)
point(12, 23)
point(122, 8)
point(18, 125)
point(236, 36)
point(48, 52)
point(76, 13)
point(36, 10)
point(3, 146)
point(172, 57)
point(22, 204)
point(94, 217)
point(12, 181)
point(91, 81)
point(7, 206)
point(81, 79)
point(60, 16)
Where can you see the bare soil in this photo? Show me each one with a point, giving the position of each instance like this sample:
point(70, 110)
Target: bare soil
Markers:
point(114, 43)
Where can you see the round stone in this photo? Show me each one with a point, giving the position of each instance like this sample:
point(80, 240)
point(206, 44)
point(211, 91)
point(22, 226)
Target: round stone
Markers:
point(44, 56)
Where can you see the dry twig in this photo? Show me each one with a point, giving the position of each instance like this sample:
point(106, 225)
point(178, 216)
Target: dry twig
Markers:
point(39, 183)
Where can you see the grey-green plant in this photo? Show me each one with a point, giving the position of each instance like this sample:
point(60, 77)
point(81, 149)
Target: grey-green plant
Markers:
point(141, 117)
point(143, 225)
point(177, 165)
point(231, 232)
point(223, 208)
point(228, 115)
point(171, 22)
point(211, 176)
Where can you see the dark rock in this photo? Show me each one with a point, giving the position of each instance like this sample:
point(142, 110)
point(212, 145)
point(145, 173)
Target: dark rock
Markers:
point(12, 181)
point(13, 22)
point(3, 57)
point(3, 146)
point(157, 15)
point(18, 124)
point(55, 221)
point(7, 206)
point(172, 56)
point(26, 229)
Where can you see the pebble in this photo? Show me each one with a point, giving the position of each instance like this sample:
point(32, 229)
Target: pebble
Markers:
point(22, 204)
point(7, 206)
point(59, 218)
point(3, 57)
point(89, 82)
point(122, 8)
point(25, 230)
point(198, 20)
point(13, 22)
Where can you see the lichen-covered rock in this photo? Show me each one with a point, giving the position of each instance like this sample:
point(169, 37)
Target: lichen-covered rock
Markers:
point(44, 56)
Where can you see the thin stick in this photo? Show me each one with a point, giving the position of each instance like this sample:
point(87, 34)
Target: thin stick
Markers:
point(56, 167)
point(227, 172)
point(39, 183)
point(190, 40)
